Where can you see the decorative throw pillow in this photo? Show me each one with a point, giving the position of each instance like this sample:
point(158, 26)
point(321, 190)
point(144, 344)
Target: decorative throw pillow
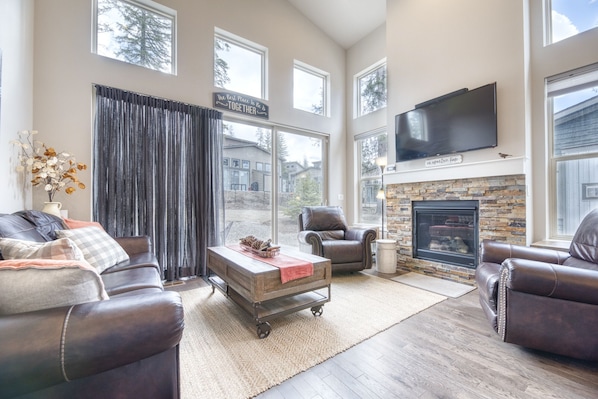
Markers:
point(27, 285)
point(62, 248)
point(77, 224)
point(98, 248)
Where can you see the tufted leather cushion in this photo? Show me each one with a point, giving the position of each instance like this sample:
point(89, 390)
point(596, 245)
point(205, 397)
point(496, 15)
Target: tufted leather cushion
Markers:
point(320, 218)
point(585, 241)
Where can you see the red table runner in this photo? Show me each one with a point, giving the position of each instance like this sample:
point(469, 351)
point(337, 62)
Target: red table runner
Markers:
point(290, 268)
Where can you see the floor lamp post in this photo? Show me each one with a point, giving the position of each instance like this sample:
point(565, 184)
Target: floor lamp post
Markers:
point(386, 253)
point(382, 192)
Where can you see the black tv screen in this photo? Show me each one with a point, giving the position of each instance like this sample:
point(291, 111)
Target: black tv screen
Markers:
point(455, 123)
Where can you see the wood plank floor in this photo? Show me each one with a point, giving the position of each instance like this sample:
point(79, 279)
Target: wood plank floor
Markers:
point(446, 351)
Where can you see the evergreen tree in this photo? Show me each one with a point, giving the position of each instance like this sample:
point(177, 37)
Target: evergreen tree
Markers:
point(143, 37)
point(373, 92)
point(264, 140)
point(307, 193)
point(221, 77)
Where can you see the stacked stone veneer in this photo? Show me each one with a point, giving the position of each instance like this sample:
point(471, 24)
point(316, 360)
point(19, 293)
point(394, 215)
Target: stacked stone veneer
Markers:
point(502, 215)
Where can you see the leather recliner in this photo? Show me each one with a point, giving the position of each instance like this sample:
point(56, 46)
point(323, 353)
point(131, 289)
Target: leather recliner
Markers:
point(323, 231)
point(544, 299)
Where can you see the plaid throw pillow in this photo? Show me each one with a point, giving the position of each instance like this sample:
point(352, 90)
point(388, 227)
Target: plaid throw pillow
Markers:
point(62, 249)
point(98, 248)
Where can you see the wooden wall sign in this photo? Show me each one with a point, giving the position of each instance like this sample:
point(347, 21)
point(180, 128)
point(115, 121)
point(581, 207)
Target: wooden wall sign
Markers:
point(241, 104)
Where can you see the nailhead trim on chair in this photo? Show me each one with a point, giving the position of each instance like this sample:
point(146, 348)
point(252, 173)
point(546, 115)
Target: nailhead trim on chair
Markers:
point(502, 302)
point(62, 343)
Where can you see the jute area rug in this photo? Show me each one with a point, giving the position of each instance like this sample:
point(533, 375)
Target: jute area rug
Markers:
point(222, 357)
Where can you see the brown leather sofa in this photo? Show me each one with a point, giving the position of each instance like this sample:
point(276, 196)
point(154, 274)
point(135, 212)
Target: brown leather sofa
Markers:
point(323, 231)
point(544, 299)
point(123, 347)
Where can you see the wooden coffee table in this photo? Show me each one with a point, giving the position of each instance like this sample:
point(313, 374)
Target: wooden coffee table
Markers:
point(256, 287)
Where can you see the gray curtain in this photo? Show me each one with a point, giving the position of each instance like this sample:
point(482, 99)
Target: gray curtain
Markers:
point(157, 171)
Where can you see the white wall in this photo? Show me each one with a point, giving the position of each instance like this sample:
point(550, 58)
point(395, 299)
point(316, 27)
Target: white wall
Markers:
point(65, 70)
point(16, 111)
point(362, 55)
point(467, 43)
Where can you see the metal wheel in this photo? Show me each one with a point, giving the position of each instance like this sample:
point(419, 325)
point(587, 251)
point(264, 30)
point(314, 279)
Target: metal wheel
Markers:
point(263, 330)
point(317, 310)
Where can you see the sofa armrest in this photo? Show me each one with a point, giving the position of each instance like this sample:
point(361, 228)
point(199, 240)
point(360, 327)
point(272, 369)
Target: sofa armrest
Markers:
point(550, 280)
point(135, 244)
point(496, 252)
point(48, 347)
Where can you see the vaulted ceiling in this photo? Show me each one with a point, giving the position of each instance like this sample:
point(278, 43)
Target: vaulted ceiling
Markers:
point(345, 21)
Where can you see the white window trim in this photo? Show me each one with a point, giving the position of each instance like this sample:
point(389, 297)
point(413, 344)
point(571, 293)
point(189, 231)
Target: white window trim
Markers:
point(357, 90)
point(251, 46)
point(557, 85)
point(356, 139)
point(148, 5)
point(326, 86)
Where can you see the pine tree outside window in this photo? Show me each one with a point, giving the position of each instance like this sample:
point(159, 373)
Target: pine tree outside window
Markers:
point(371, 89)
point(137, 32)
point(310, 89)
point(239, 65)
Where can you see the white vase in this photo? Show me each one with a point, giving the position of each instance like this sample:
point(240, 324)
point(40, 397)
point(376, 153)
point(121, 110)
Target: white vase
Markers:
point(53, 208)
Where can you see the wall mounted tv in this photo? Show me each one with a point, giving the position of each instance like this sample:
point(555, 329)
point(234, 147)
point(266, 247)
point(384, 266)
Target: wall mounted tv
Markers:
point(464, 120)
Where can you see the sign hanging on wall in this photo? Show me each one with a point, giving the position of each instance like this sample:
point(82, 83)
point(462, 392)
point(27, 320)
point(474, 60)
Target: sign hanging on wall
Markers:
point(449, 160)
point(241, 104)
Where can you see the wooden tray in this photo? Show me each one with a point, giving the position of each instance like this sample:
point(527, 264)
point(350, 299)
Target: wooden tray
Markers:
point(267, 253)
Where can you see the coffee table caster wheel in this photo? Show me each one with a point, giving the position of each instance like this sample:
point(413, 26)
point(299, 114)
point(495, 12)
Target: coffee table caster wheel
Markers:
point(263, 330)
point(317, 310)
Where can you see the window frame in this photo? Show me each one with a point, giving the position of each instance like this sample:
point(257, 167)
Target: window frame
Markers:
point(548, 25)
point(150, 6)
point(318, 73)
point(360, 177)
point(563, 83)
point(246, 44)
point(357, 101)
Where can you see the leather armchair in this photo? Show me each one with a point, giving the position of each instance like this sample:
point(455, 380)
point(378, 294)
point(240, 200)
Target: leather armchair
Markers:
point(544, 299)
point(323, 231)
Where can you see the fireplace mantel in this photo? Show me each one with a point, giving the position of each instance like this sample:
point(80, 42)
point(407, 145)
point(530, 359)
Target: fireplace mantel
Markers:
point(495, 167)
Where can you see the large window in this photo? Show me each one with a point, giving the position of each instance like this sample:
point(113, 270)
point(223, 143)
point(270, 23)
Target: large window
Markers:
point(310, 91)
point(239, 65)
point(371, 89)
point(573, 105)
point(271, 174)
point(372, 152)
point(569, 18)
point(138, 32)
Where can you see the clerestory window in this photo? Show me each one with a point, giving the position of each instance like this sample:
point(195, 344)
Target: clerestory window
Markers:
point(310, 89)
point(567, 18)
point(370, 90)
point(239, 65)
point(139, 32)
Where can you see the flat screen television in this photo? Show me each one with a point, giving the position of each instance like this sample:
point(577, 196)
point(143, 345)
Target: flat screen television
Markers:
point(462, 121)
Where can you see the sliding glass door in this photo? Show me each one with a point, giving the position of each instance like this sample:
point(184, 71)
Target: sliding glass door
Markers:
point(301, 181)
point(269, 174)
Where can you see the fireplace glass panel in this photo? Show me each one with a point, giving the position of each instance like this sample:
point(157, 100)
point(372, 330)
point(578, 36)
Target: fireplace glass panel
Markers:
point(446, 231)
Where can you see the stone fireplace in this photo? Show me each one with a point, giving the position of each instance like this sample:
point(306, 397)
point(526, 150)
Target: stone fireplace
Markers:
point(501, 215)
point(446, 231)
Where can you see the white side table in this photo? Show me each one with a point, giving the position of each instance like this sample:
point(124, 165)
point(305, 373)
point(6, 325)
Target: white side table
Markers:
point(386, 256)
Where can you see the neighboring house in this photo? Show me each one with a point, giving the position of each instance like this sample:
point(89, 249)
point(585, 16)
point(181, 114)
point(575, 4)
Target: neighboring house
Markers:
point(576, 132)
point(247, 166)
